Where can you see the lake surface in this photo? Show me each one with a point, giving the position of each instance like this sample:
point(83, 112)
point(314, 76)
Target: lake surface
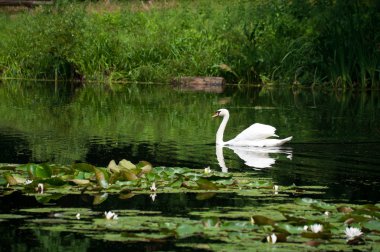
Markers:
point(336, 135)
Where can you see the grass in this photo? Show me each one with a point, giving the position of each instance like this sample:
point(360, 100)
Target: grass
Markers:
point(332, 43)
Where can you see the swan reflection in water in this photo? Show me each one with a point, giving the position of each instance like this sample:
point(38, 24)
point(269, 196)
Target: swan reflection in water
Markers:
point(255, 157)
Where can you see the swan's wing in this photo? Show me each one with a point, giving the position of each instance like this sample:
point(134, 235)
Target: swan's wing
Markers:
point(256, 131)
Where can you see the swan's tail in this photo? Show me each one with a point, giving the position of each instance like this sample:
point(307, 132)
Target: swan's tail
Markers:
point(285, 140)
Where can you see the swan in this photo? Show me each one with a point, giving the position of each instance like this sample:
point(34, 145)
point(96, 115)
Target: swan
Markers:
point(256, 135)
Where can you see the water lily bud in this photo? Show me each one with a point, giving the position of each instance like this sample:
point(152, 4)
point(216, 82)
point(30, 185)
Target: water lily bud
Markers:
point(40, 188)
point(272, 238)
point(153, 187)
point(316, 228)
point(110, 215)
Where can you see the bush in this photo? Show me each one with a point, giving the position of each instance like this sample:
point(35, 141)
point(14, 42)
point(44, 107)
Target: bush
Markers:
point(292, 42)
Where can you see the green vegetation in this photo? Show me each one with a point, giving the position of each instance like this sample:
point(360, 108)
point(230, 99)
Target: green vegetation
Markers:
point(275, 221)
point(297, 42)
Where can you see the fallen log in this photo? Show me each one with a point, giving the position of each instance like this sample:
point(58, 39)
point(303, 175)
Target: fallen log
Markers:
point(207, 84)
point(27, 3)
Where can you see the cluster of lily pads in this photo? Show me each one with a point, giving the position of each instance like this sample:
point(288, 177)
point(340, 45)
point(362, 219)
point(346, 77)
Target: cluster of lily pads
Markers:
point(270, 217)
point(128, 179)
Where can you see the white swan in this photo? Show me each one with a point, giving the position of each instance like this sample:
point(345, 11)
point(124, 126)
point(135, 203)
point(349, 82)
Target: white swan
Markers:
point(255, 135)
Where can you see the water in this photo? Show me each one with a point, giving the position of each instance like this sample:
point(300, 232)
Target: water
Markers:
point(336, 139)
point(336, 134)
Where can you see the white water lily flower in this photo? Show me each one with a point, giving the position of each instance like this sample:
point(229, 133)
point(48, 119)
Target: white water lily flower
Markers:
point(316, 228)
point(27, 182)
point(272, 238)
point(305, 227)
point(40, 188)
point(110, 215)
point(352, 232)
point(153, 187)
point(153, 196)
point(77, 216)
point(207, 170)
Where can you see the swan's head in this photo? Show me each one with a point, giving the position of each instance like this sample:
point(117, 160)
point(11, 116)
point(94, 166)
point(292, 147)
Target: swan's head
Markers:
point(221, 113)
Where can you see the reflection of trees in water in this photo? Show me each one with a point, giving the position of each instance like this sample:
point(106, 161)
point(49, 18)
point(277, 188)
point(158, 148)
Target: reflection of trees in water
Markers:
point(61, 123)
point(14, 147)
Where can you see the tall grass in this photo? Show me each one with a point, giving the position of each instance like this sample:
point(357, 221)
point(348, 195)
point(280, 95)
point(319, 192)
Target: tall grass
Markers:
point(292, 42)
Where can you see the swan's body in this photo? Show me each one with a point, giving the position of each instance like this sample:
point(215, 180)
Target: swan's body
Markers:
point(256, 135)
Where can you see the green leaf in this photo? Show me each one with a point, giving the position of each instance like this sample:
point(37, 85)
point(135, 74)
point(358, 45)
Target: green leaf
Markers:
point(372, 225)
point(290, 228)
point(83, 167)
point(56, 181)
point(206, 185)
point(305, 201)
point(187, 230)
point(205, 196)
point(262, 220)
point(177, 183)
point(38, 171)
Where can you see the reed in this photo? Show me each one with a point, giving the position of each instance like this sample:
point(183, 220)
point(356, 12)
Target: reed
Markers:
point(333, 43)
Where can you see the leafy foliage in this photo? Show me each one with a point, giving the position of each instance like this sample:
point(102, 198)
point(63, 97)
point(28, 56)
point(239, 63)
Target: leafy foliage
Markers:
point(290, 223)
point(299, 42)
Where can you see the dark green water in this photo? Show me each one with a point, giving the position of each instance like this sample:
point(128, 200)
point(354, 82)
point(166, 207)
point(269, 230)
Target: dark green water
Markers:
point(336, 139)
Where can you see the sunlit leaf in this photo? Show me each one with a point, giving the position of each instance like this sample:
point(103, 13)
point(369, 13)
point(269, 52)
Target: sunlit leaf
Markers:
point(11, 180)
point(128, 175)
point(80, 181)
point(144, 167)
point(101, 177)
point(113, 167)
point(262, 220)
point(127, 164)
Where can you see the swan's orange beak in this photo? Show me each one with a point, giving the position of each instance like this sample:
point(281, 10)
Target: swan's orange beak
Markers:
point(215, 115)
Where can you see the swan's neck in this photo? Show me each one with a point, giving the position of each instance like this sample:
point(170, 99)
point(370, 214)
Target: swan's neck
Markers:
point(222, 127)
